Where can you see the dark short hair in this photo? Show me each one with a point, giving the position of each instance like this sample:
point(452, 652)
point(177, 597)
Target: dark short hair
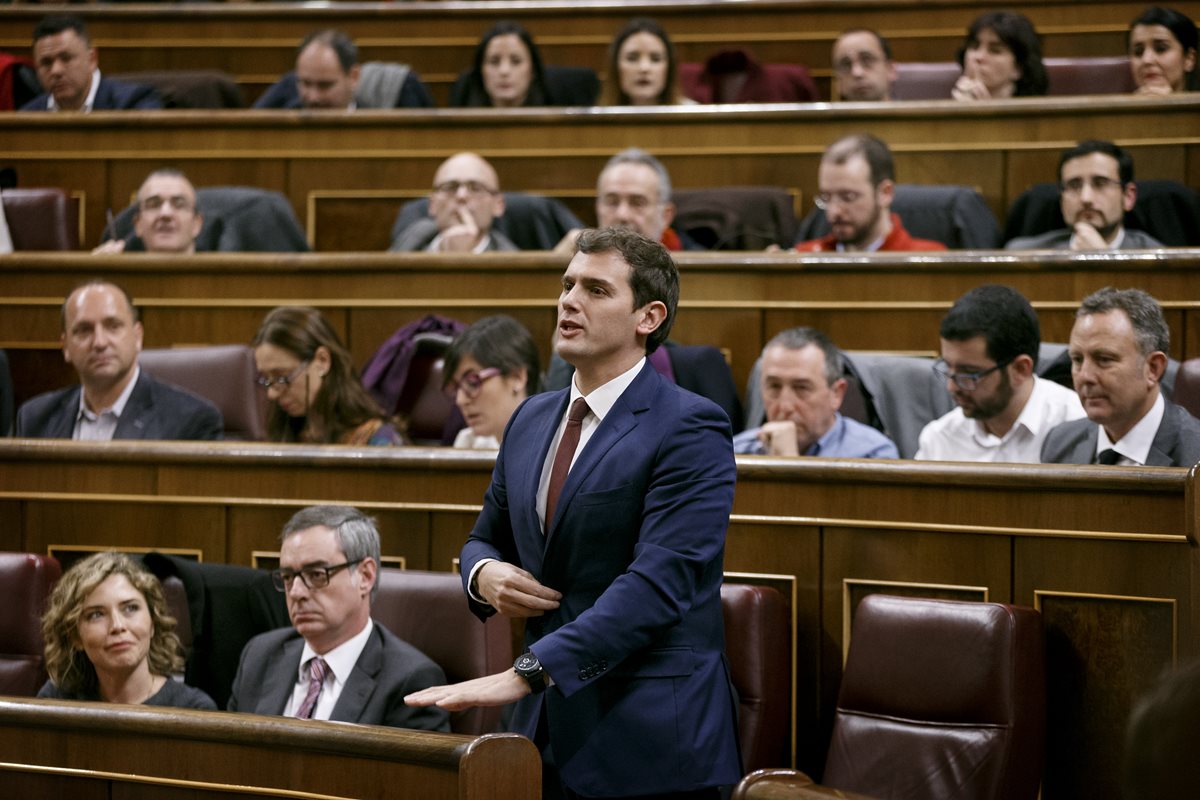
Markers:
point(476, 93)
point(133, 310)
point(337, 41)
point(1160, 742)
point(1145, 315)
point(1001, 315)
point(52, 26)
point(1181, 27)
point(1019, 36)
point(498, 341)
point(652, 273)
point(1089, 146)
point(800, 338)
point(884, 44)
point(612, 95)
point(357, 533)
point(871, 149)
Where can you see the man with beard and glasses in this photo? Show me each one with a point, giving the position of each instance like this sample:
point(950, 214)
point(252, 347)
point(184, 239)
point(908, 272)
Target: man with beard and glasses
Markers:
point(856, 184)
point(989, 347)
point(1095, 181)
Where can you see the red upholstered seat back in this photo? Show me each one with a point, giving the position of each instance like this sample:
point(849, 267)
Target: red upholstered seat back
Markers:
point(25, 583)
point(41, 219)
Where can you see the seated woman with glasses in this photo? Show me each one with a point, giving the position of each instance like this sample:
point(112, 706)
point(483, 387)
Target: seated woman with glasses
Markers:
point(110, 637)
point(309, 376)
point(492, 367)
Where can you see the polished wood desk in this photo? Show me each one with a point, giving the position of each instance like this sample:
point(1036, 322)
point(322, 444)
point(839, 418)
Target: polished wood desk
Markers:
point(1108, 554)
point(101, 750)
point(256, 42)
point(352, 172)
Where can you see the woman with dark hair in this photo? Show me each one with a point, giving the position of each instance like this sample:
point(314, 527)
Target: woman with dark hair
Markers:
point(492, 367)
point(309, 376)
point(642, 70)
point(110, 637)
point(1162, 52)
point(506, 73)
point(1001, 57)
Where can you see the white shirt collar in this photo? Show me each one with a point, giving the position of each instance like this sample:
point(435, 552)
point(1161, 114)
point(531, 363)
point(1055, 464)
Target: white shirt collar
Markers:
point(52, 104)
point(341, 659)
point(1135, 445)
point(118, 407)
point(602, 398)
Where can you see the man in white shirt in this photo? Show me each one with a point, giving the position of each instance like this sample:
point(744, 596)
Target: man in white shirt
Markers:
point(335, 663)
point(989, 348)
point(1118, 355)
point(465, 201)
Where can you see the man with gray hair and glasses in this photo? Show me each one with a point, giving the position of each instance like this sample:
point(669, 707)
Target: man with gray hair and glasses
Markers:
point(1118, 353)
point(335, 662)
point(989, 347)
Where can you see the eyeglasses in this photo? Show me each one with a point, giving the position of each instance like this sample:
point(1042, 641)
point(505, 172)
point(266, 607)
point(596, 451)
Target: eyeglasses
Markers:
point(1098, 183)
point(283, 381)
point(472, 187)
point(967, 381)
point(867, 61)
point(825, 199)
point(155, 203)
point(312, 577)
point(472, 382)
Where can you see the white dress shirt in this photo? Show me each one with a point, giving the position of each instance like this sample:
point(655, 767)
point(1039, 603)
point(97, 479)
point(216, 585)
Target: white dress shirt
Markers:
point(52, 104)
point(1134, 447)
point(341, 661)
point(100, 426)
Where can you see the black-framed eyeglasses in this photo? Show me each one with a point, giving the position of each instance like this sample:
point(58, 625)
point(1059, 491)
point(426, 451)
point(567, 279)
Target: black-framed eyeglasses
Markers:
point(967, 381)
point(312, 577)
point(283, 381)
point(471, 382)
point(472, 187)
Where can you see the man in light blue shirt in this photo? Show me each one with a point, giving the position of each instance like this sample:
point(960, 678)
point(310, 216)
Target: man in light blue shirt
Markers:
point(802, 389)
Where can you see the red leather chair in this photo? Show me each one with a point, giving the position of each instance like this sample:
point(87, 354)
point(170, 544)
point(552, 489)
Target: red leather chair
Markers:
point(428, 610)
point(25, 583)
point(941, 699)
point(223, 375)
point(1089, 75)
point(41, 219)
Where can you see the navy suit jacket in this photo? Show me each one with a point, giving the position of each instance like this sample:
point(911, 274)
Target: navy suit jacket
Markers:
point(155, 410)
point(642, 700)
point(110, 96)
point(1176, 443)
point(387, 669)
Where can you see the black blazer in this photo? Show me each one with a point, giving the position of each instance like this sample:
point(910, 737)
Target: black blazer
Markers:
point(110, 96)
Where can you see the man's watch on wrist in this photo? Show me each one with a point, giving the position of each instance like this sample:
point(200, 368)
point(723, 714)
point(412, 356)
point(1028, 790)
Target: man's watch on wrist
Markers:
point(529, 668)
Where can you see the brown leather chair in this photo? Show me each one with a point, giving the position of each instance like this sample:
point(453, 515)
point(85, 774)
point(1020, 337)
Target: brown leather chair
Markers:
point(422, 403)
point(736, 217)
point(428, 610)
point(222, 374)
point(1187, 386)
point(194, 88)
point(917, 80)
point(941, 699)
point(41, 219)
point(786, 784)
point(758, 643)
point(25, 582)
point(1089, 75)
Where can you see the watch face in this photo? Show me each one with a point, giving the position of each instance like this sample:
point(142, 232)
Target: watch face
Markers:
point(527, 661)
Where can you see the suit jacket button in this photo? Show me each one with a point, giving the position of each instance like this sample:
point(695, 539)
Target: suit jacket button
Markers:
point(583, 676)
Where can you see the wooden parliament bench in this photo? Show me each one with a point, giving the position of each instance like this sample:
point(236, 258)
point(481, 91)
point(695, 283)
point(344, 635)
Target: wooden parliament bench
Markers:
point(347, 174)
point(256, 42)
point(1108, 555)
point(100, 750)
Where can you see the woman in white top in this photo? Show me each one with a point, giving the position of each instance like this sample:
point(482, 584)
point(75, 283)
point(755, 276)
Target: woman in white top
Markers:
point(492, 367)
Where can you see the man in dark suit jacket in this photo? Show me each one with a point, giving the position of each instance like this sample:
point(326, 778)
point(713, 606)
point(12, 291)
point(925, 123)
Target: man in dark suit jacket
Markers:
point(1118, 357)
point(67, 68)
point(101, 338)
point(335, 662)
point(616, 564)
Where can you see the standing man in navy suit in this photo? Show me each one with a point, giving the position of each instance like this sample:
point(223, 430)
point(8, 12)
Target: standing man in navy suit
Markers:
point(67, 67)
point(616, 567)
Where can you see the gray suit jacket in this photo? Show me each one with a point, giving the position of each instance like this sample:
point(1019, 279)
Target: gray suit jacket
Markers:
point(416, 237)
point(387, 670)
point(155, 410)
point(1177, 443)
point(1061, 240)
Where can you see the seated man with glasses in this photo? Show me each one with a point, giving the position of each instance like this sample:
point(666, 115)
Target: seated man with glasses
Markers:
point(1096, 189)
point(856, 183)
point(334, 663)
point(167, 219)
point(989, 346)
point(465, 201)
point(862, 67)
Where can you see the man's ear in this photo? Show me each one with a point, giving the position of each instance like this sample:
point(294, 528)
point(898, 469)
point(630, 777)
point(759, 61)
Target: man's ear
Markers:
point(369, 572)
point(652, 315)
point(1156, 365)
point(1023, 365)
point(886, 193)
point(1128, 196)
point(668, 214)
point(839, 393)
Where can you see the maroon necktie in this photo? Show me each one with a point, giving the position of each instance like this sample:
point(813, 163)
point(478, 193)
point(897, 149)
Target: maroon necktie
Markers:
point(317, 669)
point(562, 458)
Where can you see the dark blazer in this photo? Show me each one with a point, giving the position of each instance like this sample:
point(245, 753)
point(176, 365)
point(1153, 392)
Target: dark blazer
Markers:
point(641, 699)
point(417, 236)
point(110, 96)
point(155, 410)
point(1176, 444)
point(386, 671)
point(285, 93)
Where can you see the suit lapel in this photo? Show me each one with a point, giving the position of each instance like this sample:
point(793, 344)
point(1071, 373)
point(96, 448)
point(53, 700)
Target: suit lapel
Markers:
point(139, 412)
point(361, 683)
point(279, 678)
point(63, 425)
point(543, 436)
point(1165, 439)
